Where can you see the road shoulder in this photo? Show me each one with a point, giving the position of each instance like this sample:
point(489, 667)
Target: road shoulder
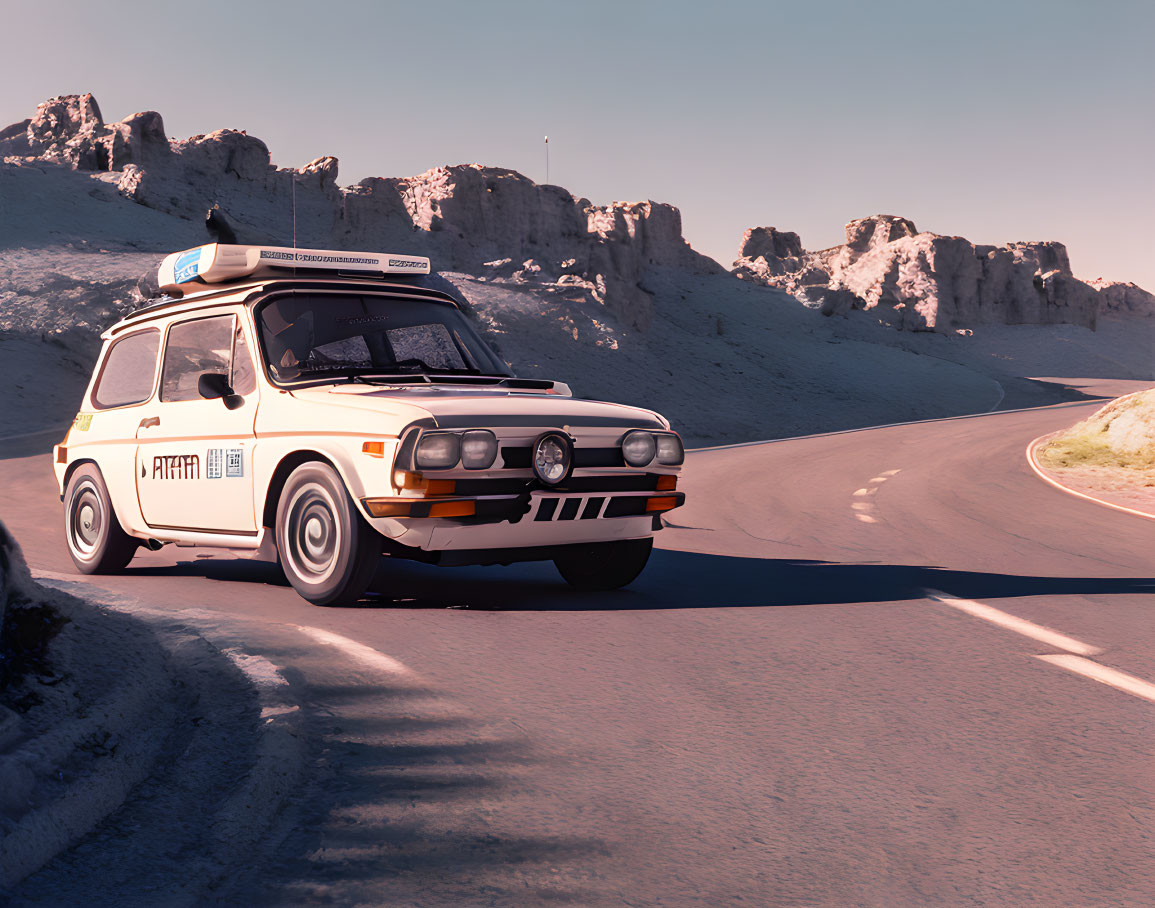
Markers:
point(1123, 490)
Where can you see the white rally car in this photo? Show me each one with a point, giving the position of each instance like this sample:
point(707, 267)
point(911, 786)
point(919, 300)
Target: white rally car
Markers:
point(330, 403)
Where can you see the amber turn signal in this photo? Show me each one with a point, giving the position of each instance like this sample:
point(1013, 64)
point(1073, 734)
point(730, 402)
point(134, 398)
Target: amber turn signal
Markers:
point(667, 483)
point(388, 507)
point(453, 509)
point(418, 507)
point(373, 448)
point(662, 504)
point(417, 482)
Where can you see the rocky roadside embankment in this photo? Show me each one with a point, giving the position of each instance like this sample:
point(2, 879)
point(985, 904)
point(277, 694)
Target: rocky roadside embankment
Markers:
point(1110, 456)
point(108, 721)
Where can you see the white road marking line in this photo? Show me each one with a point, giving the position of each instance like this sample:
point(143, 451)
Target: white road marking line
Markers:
point(866, 518)
point(861, 492)
point(38, 574)
point(359, 651)
point(861, 506)
point(1018, 625)
point(1109, 676)
point(880, 479)
point(891, 472)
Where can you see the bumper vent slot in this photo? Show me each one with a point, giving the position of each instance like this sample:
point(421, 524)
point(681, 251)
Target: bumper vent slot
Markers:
point(592, 509)
point(569, 509)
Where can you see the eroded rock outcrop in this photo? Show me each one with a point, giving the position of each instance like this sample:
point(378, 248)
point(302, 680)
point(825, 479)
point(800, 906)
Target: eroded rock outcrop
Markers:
point(1123, 297)
point(929, 282)
point(486, 221)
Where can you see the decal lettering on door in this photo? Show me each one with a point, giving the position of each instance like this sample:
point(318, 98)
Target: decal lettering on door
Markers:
point(176, 466)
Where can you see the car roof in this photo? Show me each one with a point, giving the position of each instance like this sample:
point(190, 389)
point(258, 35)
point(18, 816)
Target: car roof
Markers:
point(248, 292)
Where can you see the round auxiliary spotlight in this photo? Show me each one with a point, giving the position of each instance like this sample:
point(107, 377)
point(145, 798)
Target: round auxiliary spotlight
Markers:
point(552, 458)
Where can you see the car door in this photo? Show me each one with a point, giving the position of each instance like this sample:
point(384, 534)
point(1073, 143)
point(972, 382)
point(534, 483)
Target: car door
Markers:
point(194, 455)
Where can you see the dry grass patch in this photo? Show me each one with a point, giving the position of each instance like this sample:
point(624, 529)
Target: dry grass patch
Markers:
point(1121, 435)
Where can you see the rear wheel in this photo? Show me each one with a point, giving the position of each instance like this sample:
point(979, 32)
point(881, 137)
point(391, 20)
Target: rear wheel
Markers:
point(96, 540)
point(327, 550)
point(604, 565)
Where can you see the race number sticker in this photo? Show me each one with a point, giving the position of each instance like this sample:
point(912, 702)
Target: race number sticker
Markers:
point(235, 462)
point(228, 462)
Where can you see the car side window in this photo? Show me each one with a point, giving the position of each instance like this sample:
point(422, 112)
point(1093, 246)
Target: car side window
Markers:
point(129, 371)
point(193, 349)
point(244, 378)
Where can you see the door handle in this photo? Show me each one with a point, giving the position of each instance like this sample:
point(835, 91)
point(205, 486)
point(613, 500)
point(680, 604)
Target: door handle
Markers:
point(148, 422)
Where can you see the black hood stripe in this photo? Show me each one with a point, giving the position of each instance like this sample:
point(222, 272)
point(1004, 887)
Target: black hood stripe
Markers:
point(546, 422)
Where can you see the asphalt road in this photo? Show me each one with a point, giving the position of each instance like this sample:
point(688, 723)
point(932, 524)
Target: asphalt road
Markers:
point(776, 713)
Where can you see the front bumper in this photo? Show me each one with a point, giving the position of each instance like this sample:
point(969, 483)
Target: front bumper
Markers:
point(535, 518)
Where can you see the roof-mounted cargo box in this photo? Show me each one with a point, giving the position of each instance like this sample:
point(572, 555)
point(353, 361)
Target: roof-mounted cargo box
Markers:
point(215, 263)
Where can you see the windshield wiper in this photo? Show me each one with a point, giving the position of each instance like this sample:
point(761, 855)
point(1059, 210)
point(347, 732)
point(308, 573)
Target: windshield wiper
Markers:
point(449, 376)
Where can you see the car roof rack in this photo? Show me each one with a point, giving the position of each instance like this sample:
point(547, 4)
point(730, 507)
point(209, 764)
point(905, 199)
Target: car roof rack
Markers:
point(216, 263)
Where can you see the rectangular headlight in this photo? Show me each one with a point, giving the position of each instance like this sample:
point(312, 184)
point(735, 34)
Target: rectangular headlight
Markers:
point(478, 449)
point(438, 451)
point(670, 450)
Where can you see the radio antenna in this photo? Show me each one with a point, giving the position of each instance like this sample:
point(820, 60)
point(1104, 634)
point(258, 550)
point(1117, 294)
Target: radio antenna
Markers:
point(294, 223)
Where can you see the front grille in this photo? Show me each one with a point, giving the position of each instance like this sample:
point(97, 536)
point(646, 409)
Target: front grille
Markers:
point(633, 482)
point(518, 458)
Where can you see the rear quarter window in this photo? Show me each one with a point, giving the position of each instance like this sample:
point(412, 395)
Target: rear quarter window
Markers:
point(129, 371)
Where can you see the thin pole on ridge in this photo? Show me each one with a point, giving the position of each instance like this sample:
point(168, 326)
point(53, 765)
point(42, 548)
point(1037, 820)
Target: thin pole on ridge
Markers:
point(547, 160)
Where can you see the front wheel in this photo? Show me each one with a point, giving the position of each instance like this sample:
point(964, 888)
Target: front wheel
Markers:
point(96, 540)
point(327, 550)
point(604, 565)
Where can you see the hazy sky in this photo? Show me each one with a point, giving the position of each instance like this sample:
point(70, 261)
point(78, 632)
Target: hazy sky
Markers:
point(996, 121)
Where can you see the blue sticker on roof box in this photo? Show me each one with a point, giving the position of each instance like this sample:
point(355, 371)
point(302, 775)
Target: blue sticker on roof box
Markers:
point(187, 265)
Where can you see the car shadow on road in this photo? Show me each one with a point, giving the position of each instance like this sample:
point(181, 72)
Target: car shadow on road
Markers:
point(412, 801)
point(689, 580)
point(673, 580)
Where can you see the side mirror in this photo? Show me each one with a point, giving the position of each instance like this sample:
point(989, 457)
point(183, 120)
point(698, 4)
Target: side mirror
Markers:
point(212, 385)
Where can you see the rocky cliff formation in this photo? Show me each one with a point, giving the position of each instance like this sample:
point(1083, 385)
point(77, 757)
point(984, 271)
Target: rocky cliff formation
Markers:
point(486, 221)
point(1123, 297)
point(924, 281)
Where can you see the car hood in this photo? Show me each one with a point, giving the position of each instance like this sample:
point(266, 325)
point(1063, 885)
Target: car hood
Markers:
point(453, 407)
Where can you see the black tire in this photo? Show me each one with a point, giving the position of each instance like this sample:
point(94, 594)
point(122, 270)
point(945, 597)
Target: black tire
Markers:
point(604, 565)
point(96, 540)
point(327, 550)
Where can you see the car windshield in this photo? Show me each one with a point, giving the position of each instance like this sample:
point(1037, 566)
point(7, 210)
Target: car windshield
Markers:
point(309, 336)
